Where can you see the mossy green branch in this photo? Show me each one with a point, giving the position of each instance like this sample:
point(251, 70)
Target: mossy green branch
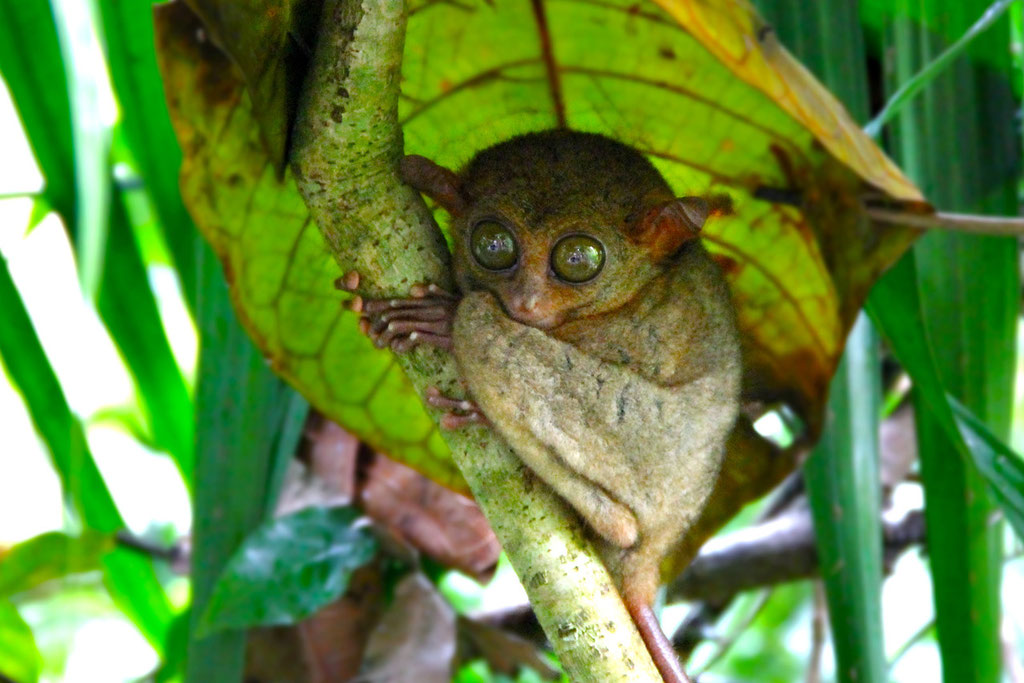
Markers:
point(347, 145)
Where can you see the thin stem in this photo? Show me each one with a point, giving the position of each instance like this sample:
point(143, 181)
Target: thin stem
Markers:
point(960, 222)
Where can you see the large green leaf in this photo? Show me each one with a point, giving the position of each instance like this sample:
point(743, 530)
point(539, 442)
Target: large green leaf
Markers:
point(280, 271)
point(476, 73)
point(289, 568)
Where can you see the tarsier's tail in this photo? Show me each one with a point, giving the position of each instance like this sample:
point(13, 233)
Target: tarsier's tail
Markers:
point(657, 643)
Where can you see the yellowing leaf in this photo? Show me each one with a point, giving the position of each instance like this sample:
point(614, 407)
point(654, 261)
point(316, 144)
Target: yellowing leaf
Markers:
point(732, 32)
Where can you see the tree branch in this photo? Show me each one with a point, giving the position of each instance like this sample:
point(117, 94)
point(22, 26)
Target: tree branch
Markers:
point(777, 551)
point(347, 145)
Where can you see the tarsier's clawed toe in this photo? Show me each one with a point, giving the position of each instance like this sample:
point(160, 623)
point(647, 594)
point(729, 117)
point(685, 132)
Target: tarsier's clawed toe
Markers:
point(403, 324)
point(459, 412)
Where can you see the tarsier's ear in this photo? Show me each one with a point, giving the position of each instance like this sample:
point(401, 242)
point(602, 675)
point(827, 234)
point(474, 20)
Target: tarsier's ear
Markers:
point(435, 181)
point(667, 225)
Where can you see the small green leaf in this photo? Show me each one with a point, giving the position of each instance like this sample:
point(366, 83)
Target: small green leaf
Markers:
point(289, 568)
point(20, 661)
point(50, 556)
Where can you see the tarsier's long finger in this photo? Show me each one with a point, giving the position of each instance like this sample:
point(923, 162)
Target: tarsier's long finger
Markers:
point(376, 306)
point(406, 328)
point(426, 316)
point(452, 421)
point(349, 282)
point(468, 412)
point(404, 344)
point(438, 400)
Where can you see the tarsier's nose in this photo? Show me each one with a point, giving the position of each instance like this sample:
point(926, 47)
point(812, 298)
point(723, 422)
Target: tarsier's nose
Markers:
point(528, 304)
point(532, 309)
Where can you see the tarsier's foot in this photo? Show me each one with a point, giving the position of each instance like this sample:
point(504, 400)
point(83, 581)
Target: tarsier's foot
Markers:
point(402, 324)
point(460, 412)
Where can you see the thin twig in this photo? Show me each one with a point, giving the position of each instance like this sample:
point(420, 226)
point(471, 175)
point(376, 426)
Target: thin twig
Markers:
point(959, 222)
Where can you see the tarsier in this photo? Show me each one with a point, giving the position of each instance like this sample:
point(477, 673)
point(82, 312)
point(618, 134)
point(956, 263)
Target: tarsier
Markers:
point(594, 333)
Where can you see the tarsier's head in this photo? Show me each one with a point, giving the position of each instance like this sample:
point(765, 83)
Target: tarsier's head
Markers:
point(559, 225)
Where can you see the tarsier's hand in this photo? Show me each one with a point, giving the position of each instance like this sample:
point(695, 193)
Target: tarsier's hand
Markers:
point(425, 317)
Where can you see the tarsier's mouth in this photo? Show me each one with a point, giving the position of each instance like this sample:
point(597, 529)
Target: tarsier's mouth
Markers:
point(542, 320)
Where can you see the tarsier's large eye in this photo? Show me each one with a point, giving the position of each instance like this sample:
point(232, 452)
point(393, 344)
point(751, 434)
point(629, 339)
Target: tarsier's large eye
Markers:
point(493, 246)
point(577, 258)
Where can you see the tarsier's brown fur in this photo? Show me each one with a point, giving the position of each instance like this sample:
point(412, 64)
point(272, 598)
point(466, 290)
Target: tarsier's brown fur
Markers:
point(618, 392)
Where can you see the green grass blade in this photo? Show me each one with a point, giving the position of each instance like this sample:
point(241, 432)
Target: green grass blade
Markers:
point(912, 86)
point(126, 302)
point(45, 112)
point(842, 478)
point(124, 298)
point(292, 426)
point(129, 310)
point(128, 36)
point(241, 416)
point(91, 138)
point(131, 580)
point(1001, 467)
point(957, 141)
point(130, 577)
point(895, 307)
point(844, 491)
point(30, 372)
